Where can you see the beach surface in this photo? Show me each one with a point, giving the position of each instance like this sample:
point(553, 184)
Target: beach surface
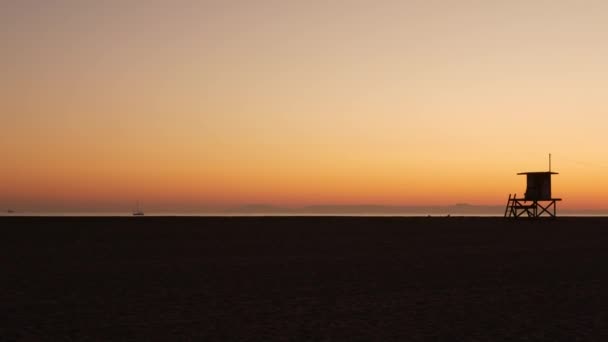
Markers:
point(303, 278)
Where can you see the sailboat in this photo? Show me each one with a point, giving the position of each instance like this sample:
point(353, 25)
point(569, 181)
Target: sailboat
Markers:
point(138, 211)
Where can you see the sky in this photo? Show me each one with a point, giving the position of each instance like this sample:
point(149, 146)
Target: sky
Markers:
point(185, 105)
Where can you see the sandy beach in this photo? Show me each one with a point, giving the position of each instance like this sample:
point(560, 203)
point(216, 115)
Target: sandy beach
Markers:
point(303, 278)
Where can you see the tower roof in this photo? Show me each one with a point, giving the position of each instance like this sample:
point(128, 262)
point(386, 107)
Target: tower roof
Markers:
point(538, 173)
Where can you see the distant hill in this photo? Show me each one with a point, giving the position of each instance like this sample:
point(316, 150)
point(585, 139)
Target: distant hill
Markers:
point(363, 209)
point(258, 209)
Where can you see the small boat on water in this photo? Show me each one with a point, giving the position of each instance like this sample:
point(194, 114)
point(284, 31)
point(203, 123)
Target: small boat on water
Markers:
point(138, 212)
point(10, 211)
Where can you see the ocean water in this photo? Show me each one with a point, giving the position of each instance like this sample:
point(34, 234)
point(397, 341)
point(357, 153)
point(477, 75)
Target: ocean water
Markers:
point(263, 214)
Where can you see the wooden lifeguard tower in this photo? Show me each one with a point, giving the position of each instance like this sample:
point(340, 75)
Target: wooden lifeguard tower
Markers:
point(537, 201)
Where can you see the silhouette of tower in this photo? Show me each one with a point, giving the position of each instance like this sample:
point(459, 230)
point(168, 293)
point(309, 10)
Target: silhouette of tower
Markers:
point(537, 201)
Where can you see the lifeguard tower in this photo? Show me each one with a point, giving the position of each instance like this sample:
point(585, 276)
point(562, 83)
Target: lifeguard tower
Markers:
point(537, 201)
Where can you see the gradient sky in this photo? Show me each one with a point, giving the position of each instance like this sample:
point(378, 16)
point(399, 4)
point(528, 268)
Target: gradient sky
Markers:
point(192, 104)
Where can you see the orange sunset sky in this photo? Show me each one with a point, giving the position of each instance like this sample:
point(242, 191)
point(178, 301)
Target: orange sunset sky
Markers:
point(208, 104)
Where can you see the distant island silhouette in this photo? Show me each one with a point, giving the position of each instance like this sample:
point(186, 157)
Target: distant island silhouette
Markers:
point(459, 208)
point(376, 209)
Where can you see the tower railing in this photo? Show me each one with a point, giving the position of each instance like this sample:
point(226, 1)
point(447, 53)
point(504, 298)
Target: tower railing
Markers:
point(522, 207)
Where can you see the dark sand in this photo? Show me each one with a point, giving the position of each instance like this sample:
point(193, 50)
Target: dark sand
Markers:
point(318, 279)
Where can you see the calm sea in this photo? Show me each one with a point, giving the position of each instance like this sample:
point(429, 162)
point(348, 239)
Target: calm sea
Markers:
point(223, 214)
